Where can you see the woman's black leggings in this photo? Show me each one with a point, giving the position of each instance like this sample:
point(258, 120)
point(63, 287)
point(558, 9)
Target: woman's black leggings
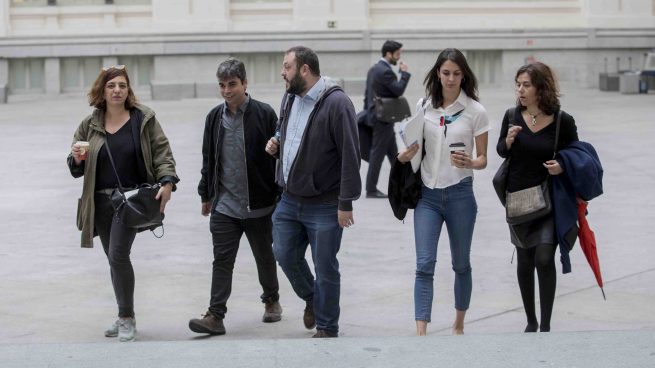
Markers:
point(117, 242)
point(541, 257)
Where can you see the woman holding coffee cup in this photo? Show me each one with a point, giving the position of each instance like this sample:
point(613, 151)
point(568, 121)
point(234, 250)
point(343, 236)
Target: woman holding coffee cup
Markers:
point(455, 123)
point(141, 154)
point(528, 136)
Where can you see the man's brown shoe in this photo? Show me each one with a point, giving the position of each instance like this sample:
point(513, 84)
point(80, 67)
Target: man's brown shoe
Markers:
point(308, 318)
point(209, 324)
point(272, 311)
point(323, 334)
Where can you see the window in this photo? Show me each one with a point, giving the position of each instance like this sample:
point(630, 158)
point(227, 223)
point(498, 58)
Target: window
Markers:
point(77, 74)
point(26, 75)
point(486, 65)
point(139, 68)
point(39, 3)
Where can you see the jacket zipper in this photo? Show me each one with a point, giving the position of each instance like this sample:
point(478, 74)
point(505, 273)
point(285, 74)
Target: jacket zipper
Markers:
point(245, 161)
point(216, 160)
point(304, 134)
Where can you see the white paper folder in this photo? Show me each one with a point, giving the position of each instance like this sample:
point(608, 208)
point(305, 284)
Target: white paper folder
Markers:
point(411, 131)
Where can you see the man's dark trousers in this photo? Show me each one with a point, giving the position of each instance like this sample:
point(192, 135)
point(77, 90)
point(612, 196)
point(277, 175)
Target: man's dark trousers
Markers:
point(383, 143)
point(226, 233)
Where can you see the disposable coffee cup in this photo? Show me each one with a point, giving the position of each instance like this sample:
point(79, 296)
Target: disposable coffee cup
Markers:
point(458, 146)
point(84, 148)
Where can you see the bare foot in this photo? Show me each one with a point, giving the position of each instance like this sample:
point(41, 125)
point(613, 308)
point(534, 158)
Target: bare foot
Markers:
point(458, 325)
point(421, 328)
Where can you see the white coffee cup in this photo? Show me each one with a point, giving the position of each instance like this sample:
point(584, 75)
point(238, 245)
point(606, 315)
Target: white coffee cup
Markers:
point(84, 148)
point(456, 147)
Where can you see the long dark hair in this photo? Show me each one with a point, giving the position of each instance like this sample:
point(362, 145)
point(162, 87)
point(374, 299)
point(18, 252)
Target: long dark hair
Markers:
point(433, 85)
point(543, 79)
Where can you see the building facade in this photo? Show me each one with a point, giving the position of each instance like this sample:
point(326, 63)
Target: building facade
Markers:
point(172, 47)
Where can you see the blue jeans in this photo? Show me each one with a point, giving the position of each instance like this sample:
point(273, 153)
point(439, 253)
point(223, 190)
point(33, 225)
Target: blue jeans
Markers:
point(456, 206)
point(295, 225)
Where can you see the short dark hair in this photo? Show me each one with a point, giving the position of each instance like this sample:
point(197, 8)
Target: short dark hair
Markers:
point(390, 46)
point(543, 79)
point(306, 56)
point(230, 68)
point(432, 84)
point(97, 92)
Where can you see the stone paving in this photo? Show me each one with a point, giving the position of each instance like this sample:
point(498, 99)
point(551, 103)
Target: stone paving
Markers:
point(54, 292)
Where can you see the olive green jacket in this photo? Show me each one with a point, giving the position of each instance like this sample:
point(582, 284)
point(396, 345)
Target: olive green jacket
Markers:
point(156, 151)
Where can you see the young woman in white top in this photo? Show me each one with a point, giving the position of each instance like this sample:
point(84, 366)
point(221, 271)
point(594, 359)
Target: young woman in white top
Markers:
point(453, 118)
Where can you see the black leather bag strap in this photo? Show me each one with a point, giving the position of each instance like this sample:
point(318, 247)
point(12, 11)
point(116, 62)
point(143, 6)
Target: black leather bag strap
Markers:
point(510, 122)
point(557, 124)
point(111, 159)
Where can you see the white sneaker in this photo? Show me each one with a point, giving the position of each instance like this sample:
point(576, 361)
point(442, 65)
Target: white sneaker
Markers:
point(112, 331)
point(126, 329)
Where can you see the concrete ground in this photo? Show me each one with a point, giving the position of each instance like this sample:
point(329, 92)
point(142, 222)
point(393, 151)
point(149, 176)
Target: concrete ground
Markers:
point(56, 298)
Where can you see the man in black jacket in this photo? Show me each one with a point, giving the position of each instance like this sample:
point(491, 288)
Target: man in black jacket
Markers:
point(319, 171)
point(382, 81)
point(237, 187)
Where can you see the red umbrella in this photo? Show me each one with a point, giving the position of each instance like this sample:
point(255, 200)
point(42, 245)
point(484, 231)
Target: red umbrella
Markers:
point(588, 243)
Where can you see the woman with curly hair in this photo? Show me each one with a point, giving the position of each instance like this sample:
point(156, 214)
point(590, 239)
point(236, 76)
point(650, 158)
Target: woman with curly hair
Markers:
point(528, 136)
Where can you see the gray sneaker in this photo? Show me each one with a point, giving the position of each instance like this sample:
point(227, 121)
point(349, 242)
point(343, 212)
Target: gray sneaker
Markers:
point(126, 329)
point(112, 331)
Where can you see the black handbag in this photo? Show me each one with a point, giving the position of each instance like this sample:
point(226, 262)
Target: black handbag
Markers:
point(391, 110)
point(534, 202)
point(500, 178)
point(137, 208)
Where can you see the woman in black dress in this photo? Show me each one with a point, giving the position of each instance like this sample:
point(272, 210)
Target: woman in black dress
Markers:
point(527, 136)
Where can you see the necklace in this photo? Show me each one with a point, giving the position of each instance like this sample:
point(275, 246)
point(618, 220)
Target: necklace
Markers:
point(534, 117)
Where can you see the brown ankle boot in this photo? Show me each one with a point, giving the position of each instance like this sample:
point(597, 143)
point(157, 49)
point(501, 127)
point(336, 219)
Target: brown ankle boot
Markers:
point(272, 311)
point(308, 317)
point(209, 324)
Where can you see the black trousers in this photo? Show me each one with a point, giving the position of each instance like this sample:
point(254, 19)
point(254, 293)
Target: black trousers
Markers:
point(383, 143)
point(116, 241)
point(226, 234)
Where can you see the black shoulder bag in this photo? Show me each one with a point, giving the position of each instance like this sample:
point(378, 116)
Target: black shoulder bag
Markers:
point(500, 178)
point(137, 208)
point(391, 110)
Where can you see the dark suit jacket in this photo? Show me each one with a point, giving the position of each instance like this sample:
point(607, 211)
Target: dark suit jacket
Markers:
point(381, 81)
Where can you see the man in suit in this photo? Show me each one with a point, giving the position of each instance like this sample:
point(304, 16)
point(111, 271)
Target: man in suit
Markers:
point(382, 81)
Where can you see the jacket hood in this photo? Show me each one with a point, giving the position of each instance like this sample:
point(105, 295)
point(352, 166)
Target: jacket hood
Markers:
point(98, 116)
point(331, 85)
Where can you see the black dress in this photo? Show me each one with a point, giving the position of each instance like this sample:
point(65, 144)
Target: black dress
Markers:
point(527, 155)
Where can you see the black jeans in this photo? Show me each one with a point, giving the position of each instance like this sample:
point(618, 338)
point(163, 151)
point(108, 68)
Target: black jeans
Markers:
point(226, 234)
point(116, 241)
point(383, 143)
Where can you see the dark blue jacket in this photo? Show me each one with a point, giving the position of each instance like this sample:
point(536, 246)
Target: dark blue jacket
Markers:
point(381, 81)
point(326, 168)
point(583, 177)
